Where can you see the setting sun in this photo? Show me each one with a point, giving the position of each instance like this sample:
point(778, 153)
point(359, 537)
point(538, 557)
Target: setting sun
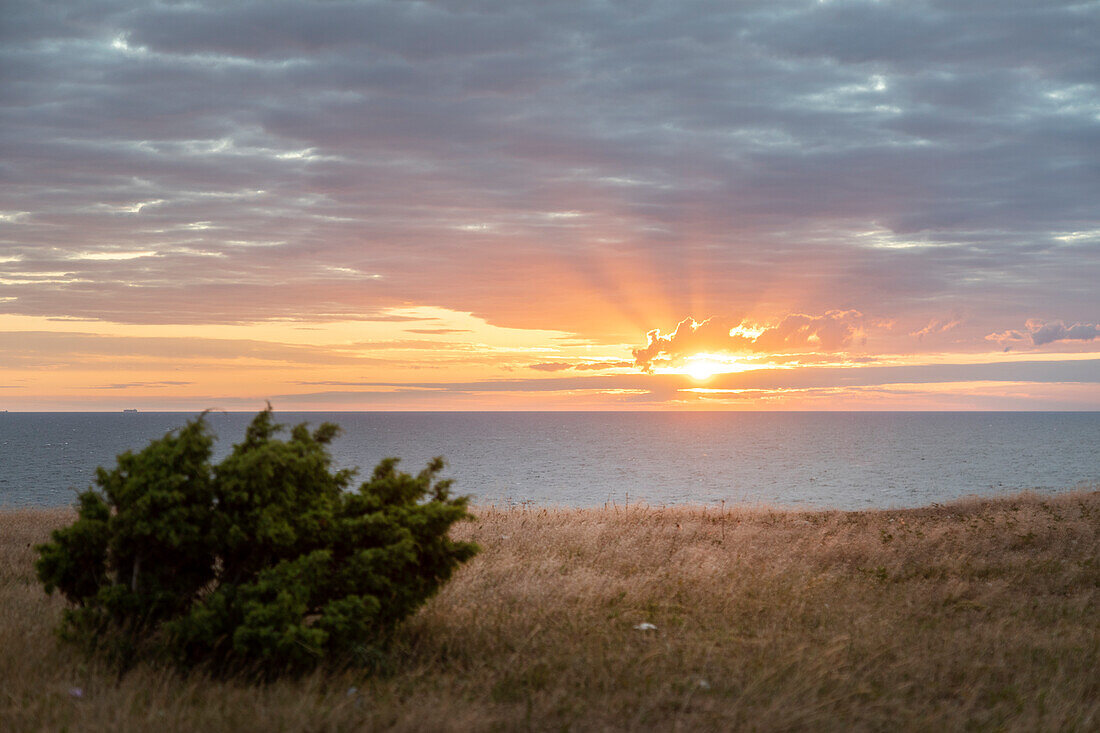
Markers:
point(703, 366)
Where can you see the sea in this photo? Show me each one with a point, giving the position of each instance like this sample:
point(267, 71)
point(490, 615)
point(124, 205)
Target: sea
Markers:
point(837, 460)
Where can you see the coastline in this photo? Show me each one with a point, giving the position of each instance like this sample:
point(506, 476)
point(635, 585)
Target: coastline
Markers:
point(980, 612)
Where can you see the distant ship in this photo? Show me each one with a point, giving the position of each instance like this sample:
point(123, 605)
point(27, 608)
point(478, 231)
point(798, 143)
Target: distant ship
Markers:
point(130, 409)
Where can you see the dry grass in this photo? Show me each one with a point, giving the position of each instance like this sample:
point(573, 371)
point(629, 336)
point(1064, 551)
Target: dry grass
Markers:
point(979, 614)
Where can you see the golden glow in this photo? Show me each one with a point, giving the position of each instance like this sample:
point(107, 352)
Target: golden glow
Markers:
point(408, 357)
point(746, 331)
point(702, 369)
point(703, 366)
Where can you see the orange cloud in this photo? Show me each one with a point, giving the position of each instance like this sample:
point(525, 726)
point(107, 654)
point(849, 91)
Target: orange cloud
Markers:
point(558, 366)
point(833, 331)
point(936, 326)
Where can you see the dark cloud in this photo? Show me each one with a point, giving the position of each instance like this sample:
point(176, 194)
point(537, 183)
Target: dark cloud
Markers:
point(328, 160)
point(1040, 333)
point(1058, 331)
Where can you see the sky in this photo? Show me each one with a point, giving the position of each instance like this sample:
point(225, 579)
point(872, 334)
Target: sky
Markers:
point(474, 205)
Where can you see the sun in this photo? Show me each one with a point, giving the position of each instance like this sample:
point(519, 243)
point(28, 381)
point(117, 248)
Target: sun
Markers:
point(702, 368)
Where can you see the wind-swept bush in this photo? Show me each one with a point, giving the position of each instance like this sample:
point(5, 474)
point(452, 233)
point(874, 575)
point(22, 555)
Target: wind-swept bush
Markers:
point(264, 561)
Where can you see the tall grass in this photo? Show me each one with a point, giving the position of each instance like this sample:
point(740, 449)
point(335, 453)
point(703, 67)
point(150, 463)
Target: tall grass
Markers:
point(978, 614)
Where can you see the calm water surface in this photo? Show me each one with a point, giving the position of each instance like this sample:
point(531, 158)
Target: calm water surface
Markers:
point(836, 460)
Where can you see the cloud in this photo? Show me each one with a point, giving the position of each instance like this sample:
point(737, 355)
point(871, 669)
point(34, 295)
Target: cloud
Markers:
point(44, 350)
point(133, 385)
point(552, 366)
point(560, 366)
point(598, 365)
point(328, 160)
point(935, 326)
point(830, 332)
point(663, 385)
point(437, 331)
point(1058, 331)
point(833, 331)
point(1037, 332)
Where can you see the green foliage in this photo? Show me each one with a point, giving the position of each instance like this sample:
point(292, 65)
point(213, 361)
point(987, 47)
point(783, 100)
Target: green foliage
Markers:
point(264, 561)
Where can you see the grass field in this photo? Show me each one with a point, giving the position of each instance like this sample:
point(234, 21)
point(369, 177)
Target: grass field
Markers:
point(974, 615)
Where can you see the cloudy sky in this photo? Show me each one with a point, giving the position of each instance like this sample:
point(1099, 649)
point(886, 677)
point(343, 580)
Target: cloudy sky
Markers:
point(550, 205)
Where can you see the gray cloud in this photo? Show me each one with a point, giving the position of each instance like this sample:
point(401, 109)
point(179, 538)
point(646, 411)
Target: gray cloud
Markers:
point(1058, 331)
point(1037, 332)
point(329, 159)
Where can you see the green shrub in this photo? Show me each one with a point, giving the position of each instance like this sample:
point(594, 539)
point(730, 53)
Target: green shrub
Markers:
point(264, 561)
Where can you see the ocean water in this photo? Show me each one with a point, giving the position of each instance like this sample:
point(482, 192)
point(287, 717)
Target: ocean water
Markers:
point(829, 460)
